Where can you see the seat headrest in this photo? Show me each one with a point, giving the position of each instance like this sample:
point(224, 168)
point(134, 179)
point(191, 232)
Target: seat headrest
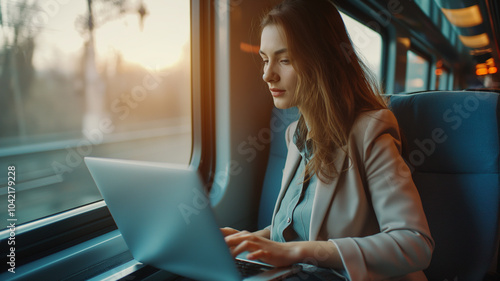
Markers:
point(449, 131)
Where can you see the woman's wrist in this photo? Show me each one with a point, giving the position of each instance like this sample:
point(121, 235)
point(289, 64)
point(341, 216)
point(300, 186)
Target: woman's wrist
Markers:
point(298, 251)
point(319, 253)
point(265, 233)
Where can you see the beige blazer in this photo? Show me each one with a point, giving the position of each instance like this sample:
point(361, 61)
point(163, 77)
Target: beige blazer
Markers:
point(372, 211)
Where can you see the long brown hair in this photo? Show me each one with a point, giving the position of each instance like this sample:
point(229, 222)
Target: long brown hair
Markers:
point(333, 86)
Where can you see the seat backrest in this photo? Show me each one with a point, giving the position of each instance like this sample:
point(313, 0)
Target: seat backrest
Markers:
point(280, 119)
point(452, 148)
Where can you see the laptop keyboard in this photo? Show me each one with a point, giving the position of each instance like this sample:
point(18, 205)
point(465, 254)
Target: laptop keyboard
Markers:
point(248, 269)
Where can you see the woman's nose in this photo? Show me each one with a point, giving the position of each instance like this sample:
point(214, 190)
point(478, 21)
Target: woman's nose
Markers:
point(270, 75)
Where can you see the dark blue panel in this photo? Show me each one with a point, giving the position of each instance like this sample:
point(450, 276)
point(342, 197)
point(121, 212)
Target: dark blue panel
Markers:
point(270, 190)
point(471, 31)
point(280, 120)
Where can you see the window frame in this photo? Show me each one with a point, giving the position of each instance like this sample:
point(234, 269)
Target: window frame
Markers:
point(446, 80)
point(46, 236)
point(364, 15)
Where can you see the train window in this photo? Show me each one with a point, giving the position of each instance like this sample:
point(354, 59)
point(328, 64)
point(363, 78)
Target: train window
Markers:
point(453, 37)
point(432, 10)
point(417, 72)
point(446, 27)
point(368, 44)
point(90, 78)
point(443, 79)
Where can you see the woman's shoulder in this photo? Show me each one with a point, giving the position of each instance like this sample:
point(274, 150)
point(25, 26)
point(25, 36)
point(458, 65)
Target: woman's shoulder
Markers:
point(378, 118)
point(371, 124)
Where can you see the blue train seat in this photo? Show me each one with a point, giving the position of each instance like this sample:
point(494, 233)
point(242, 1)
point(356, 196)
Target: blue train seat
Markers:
point(452, 148)
point(280, 119)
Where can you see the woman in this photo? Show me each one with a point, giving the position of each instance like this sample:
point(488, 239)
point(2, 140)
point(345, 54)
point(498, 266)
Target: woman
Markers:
point(347, 200)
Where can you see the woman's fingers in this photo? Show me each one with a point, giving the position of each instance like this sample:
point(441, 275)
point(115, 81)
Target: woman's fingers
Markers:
point(237, 237)
point(226, 231)
point(235, 240)
point(247, 246)
point(259, 248)
point(244, 241)
point(258, 255)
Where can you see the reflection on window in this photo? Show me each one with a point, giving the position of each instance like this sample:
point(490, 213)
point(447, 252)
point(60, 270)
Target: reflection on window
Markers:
point(113, 82)
point(367, 42)
point(417, 73)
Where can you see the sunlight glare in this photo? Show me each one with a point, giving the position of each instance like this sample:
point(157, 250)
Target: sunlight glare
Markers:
point(161, 42)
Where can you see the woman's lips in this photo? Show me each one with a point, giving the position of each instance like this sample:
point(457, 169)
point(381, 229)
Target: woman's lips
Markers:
point(277, 92)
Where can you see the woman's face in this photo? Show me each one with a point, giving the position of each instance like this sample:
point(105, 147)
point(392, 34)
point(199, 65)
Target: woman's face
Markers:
point(279, 73)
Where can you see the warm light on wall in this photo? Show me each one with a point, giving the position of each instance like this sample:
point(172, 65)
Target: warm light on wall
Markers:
point(475, 41)
point(405, 41)
point(486, 68)
point(247, 48)
point(439, 68)
point(481, 71)
point(465, 17)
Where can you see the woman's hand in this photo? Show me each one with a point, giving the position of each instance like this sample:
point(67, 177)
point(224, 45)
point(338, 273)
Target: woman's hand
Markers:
point(319, 253)
point(261, 248)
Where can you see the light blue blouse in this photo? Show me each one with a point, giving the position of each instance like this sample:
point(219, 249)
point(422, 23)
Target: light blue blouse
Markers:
point(293, 217)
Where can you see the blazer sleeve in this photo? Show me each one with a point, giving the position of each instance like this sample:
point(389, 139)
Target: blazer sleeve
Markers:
point(404, 243)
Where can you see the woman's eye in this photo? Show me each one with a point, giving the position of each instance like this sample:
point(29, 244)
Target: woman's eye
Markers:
point(285, 61)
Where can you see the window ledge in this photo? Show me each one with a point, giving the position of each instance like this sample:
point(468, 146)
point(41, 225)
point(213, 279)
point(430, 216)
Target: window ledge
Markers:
point(82, 260)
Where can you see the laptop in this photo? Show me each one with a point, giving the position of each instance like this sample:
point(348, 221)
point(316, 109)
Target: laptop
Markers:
point(166, 220)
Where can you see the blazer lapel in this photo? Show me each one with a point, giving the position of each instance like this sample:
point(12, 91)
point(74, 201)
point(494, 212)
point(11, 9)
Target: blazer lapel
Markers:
point(323, 196)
